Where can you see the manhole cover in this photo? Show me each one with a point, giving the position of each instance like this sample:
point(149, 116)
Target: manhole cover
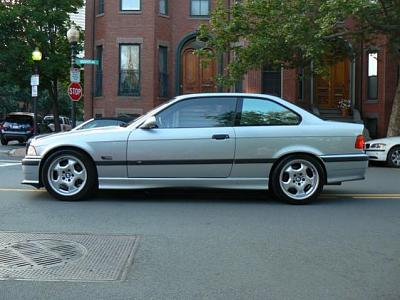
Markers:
point(39, 254)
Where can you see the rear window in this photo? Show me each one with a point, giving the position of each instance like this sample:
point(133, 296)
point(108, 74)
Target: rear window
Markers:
point(20, 119)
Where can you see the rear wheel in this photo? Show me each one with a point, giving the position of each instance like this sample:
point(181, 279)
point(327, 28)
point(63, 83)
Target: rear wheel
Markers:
point(393, 158)
point(69, 175)
point(297, 179)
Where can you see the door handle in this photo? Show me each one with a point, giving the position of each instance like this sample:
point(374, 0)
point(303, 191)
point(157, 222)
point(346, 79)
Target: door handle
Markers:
point(220, 136)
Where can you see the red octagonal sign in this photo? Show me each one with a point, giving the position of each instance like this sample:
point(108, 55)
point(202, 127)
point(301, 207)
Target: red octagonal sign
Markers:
point(75, 91)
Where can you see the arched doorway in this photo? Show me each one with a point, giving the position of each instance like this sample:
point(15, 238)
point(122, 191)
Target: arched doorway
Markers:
point(333, 86)
point(196, 77)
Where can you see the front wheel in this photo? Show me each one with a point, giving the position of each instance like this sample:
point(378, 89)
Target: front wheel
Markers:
point(4, 142)
point(297, 179)
point(393, 157)
point(69, 175)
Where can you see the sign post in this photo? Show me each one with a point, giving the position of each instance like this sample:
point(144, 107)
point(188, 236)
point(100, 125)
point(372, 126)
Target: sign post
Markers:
point(75, 91)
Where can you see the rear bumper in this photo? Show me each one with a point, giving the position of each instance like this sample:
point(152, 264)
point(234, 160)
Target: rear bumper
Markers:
point(348, 167)
point(11, 136)
point(30, 170)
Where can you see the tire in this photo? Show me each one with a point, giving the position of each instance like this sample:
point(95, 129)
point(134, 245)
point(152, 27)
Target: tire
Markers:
point(69, 175)
point(297, 179)
point(4, 142)
point(393, 158)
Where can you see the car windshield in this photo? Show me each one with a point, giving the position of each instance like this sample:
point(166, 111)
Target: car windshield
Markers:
point(157, 108)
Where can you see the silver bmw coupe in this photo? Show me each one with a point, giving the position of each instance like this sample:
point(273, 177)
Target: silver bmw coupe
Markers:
point(224, 140)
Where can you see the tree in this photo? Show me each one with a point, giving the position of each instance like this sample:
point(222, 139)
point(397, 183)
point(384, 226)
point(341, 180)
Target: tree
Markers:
point(295, 33)
point(26, 24)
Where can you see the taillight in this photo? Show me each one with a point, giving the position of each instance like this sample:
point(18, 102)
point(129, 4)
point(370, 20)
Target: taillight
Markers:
point(360, 141)
point(30, 129)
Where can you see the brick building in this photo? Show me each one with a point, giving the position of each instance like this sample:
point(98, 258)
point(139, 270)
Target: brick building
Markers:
point(145, 49)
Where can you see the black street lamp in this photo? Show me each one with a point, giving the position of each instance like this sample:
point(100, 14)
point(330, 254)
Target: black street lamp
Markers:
point(73, 37)
point(36, 57)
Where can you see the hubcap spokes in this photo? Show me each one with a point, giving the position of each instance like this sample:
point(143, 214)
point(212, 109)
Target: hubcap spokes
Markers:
point(67, 175)
point(396, 157)
point(299, 179)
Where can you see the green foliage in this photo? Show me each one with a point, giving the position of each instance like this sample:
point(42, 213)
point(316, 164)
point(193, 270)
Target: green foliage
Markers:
point(26, 24)
point(295, 33)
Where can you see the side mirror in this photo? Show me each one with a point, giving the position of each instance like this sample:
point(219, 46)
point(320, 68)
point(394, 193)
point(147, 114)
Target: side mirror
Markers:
point(149, 123)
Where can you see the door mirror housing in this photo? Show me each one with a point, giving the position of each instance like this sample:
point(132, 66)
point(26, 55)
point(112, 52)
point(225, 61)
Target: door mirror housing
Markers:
point(149, 123)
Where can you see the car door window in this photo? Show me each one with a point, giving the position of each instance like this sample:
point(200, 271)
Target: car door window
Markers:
point(259, 112)
point(199, 112)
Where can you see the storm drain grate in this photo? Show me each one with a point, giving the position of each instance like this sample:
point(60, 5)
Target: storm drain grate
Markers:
point(65, 257)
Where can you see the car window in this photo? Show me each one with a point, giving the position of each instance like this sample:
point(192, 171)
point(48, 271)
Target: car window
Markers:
point(256, 112)
point(199, 112)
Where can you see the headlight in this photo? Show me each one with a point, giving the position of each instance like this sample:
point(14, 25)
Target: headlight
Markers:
point(31, 151)
point(379, 146)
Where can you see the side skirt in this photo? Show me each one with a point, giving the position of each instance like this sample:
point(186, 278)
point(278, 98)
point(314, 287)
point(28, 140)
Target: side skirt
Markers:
point(148, 183)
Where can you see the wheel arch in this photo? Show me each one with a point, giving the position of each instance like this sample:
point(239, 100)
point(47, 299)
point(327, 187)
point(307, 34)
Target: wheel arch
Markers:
point(278, 160)
point(61, 148)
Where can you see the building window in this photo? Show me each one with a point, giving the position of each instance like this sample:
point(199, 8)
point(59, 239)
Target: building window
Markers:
point(199, 7)
point(271, 81)
point(100, 9)
point(163, 68)
point(372, 83)
point(129, 70)
point(130, 4)
point(300, 84)
point(99, 72)
point(164, 7)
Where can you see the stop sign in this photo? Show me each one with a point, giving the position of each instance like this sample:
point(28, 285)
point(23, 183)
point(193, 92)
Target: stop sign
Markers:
point(75, 91)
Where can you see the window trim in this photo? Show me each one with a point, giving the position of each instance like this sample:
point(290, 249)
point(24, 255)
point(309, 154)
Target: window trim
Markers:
point(376, 99)
point(233, 121)
point(119, 69)
point(130, 10)
point(166, 8)
point(240, 107)
point(200, 16)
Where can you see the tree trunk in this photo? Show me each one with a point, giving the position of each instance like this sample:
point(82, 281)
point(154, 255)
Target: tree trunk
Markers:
point(394, 121)
point(54, 97)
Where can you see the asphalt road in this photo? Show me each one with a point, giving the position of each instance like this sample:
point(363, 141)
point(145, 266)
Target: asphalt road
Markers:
point(211, 244)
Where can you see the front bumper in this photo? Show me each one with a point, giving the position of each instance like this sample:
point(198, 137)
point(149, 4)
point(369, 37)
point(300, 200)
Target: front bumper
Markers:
point(377, 155)
point(30, 170)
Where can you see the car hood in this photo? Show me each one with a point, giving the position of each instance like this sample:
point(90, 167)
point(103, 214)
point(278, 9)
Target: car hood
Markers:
point(109, 133)
point(388, 140)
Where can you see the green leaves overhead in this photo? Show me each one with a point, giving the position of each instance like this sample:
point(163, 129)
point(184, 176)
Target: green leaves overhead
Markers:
point(293, 33)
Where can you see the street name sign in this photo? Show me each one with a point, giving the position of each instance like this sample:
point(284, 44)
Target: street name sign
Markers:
point(75, 91)
point(86, 61)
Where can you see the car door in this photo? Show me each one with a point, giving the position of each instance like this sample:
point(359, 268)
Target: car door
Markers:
point(194, 138)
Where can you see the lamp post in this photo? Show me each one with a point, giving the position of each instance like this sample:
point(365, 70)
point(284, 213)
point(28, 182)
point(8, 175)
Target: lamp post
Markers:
point(36, 57)
point(73, 37)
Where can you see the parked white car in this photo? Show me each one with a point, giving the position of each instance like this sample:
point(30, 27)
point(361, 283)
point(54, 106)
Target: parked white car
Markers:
point(65, 123)
point(386, 150)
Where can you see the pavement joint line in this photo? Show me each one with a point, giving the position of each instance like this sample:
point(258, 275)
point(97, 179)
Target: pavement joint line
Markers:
point(9, 165)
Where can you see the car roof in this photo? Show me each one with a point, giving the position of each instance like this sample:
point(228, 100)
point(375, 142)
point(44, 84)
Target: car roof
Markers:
point(21, 114)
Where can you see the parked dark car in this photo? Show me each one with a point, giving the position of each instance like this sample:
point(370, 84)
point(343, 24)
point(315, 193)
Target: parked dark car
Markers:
point(18, 126)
